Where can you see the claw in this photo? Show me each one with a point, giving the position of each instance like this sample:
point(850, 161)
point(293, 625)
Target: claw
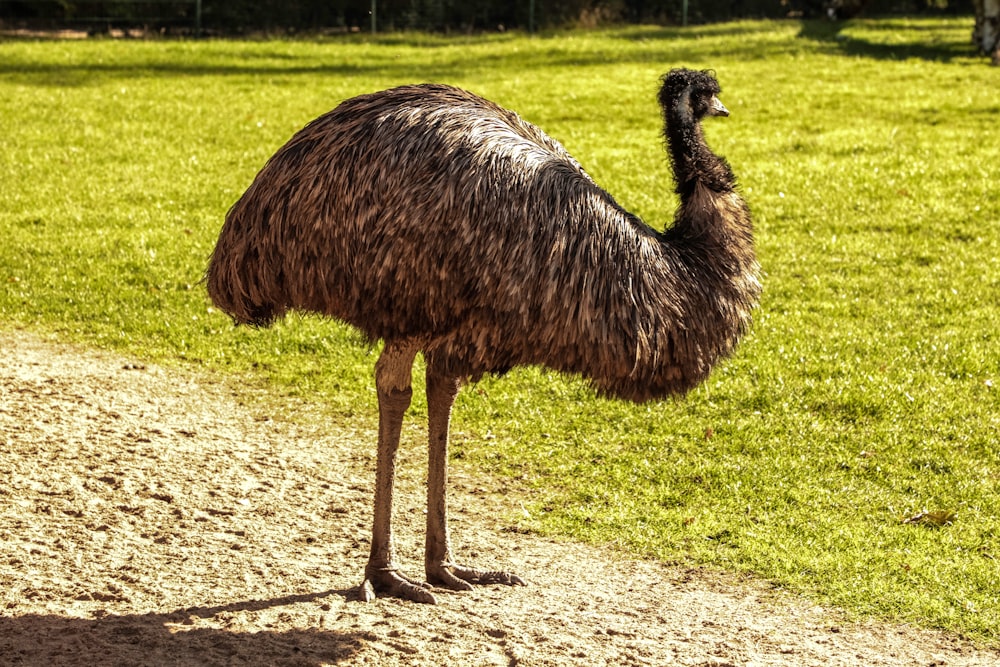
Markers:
point(366, 592)
point(449, 579)
point(394, 584)
point(505, 578)
point(460, 578)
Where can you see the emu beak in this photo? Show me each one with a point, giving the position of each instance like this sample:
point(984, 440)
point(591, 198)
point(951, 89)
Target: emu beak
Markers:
point(717, 108)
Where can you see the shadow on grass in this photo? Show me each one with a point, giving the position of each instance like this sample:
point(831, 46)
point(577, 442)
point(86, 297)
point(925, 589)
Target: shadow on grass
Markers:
point(449, 60)
point(919, 43)
point(85, 74)
point(664, 46)
point(735, 30)
point(173, 638)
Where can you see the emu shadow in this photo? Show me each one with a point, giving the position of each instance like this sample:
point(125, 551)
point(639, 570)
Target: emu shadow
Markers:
point(173, 638)
point(830, 33)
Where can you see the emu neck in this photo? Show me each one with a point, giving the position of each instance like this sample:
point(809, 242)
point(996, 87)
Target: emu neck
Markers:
point(692, 160)
point(712, 228)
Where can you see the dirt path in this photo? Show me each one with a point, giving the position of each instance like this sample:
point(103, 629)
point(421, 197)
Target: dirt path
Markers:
point(151, 517)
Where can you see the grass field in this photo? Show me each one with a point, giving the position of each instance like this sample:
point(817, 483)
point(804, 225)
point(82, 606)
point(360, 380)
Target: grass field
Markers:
point(867, 393)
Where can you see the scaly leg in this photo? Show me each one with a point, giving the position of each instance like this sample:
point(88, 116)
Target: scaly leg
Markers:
point(392, 382)
point(438, 562)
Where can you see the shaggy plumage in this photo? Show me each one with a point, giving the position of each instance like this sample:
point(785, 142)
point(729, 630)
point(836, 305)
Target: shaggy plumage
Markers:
point(428, 212)
point(439, 222)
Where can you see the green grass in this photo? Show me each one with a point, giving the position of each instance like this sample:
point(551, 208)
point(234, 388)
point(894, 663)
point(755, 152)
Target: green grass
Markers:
point(866, 393)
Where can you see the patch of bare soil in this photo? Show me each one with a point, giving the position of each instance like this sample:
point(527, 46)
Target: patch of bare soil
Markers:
point(150, 517)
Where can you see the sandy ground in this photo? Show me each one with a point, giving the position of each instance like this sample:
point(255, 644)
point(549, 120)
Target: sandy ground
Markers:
point(156, 517)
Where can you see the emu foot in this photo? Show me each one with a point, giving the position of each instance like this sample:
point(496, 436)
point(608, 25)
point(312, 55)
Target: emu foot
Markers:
point(460, 578)
point(390, 582)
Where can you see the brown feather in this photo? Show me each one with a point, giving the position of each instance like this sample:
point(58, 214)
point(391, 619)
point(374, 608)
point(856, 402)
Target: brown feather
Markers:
point(426, 212)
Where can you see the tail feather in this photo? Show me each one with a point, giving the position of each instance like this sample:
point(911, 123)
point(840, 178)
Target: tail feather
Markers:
point(232, 294)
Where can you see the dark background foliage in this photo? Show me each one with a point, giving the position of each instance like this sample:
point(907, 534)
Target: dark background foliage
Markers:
point(238, 16)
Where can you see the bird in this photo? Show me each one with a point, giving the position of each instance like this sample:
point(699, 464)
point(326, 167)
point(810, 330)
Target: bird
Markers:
point(436, 222)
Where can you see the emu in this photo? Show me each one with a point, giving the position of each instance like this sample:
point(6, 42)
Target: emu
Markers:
point(440, 223)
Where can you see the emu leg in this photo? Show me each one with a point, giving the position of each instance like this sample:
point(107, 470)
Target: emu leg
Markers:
point(438, 562)
point(392, 381)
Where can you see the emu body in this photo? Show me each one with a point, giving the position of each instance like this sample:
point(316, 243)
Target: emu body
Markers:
point(439, 222)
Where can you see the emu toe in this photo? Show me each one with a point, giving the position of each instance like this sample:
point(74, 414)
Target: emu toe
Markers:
point(381, 583)
point(460, 578)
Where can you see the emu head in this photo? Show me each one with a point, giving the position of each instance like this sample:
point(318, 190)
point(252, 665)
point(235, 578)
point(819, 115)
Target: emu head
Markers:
point(691, 95)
